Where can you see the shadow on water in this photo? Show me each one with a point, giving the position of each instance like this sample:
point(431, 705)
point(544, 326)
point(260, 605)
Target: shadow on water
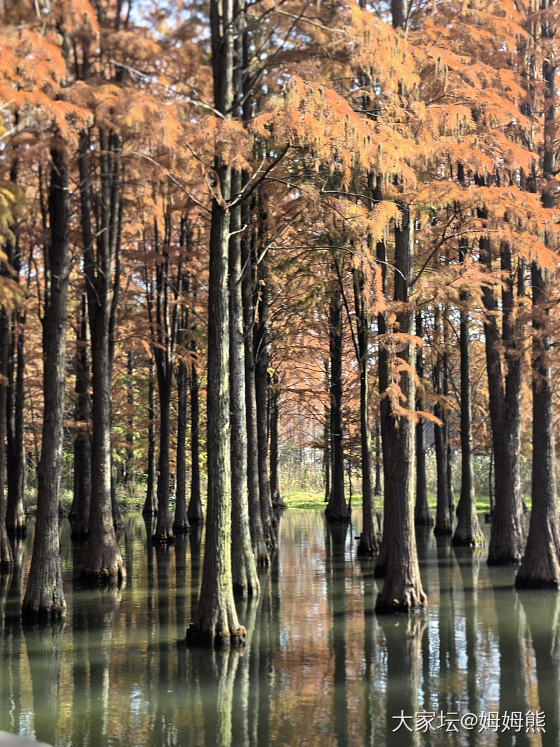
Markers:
point(319, 667)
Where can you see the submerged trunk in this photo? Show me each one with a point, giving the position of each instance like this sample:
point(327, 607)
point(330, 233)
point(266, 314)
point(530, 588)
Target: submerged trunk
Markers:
point(215, 622)
point(150, 503)
point(402, 588)
point(249, 279)
point(444, 519)
point(44, 596)
point(467, 531)
point(194, 513)
point(262, 362)
point(6, 559)
point(368, 544)
point(421, 510)
point(336, 509)
point(15, 511)
point(103, 559)
point(507, 537)
point(163, 525)
point(277, 500)
point(540, 567)
point(15, 410)
point(79, 513)
point(181, 522)
point(244, 569)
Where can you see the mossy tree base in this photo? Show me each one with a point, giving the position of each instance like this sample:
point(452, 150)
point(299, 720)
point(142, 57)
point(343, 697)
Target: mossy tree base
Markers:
point(203, 638)
point(48, 612)
point(407, 600)
point(246, 590)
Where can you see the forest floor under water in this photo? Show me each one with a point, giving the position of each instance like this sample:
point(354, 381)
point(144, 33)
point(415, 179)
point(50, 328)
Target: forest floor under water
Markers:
point(481, 666)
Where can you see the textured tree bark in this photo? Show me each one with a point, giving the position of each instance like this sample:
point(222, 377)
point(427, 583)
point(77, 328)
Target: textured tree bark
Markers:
point(244, 569)
point(194, 513)
point(540, 566)
point(369, 538)
point(262, 363)
point(467, 531)
point(44, 596)
point(249, 280)
point(129, 458)
point(507, 536)
point(422, 515)
point(277, 500)
point(336, 509)
point(15, 407)
point(444, 519)
point(6, 559)
point(216, 623)
point(150, 503)
point(163, 525)
point(103, 561)
point(384, 406)
point(402, 588)
point(181, 521)
point(79, 512)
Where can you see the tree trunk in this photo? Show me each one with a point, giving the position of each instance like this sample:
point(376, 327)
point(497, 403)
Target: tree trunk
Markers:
point(507, 536)
point(194, 513)
point(249, 279)
point(103, 561)
point(244, 568)
point(150, 503)
point(216, 622)
point(44, 596)
point(277, 500)
point(369, 537)
point(15, 510)
point(402, 588)
point(467, 531)
point(336, 509)
point(129, 459)
point(103, 558)
point(79, 512)
point(421, 510)
point(262, 362)
point(444, 519)
point(181, 521)
point(540, 567)
point(6, 559)
point(163, 525)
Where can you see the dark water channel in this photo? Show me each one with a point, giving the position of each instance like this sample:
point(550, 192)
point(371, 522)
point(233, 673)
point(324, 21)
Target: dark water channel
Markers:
point(319, 668)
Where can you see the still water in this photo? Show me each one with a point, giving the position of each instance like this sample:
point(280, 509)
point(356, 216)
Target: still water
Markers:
point(319, 668)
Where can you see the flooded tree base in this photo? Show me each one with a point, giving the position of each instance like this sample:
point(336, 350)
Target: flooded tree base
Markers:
point(103, 578)
point(163, 539)
point(528, 582)
point(197, 638)
point(43, 615)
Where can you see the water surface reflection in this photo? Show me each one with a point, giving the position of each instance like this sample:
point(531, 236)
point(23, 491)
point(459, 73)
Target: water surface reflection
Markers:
point(319, 667)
